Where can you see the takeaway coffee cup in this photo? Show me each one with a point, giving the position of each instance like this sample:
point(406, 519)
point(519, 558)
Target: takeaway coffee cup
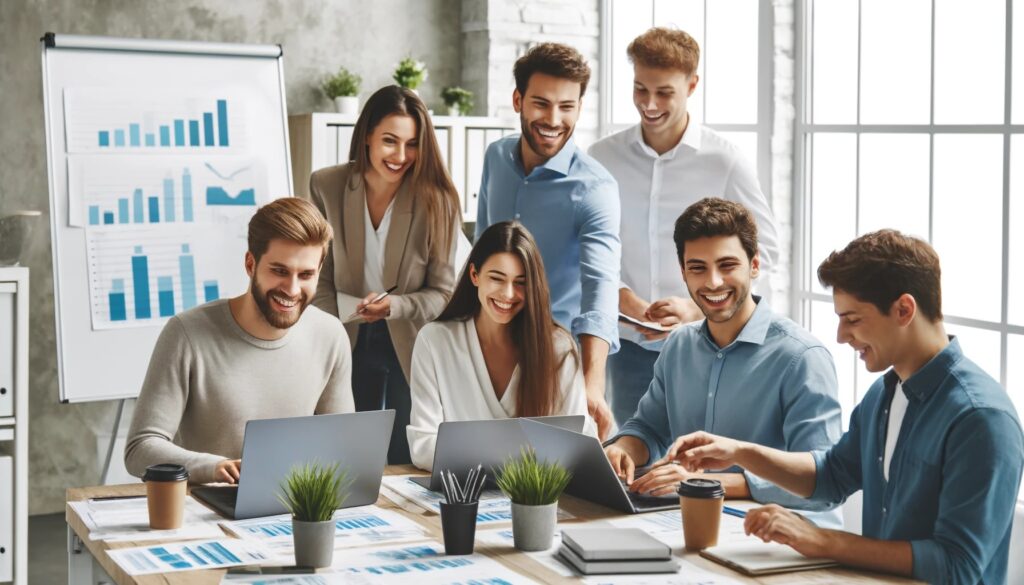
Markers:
point(701, 502)
point(165, 495)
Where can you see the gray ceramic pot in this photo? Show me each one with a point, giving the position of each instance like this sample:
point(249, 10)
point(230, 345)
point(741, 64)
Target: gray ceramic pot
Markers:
point(314, 543)
point(533, 527)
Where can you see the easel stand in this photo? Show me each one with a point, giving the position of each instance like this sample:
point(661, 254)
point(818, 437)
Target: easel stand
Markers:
point(113, 439)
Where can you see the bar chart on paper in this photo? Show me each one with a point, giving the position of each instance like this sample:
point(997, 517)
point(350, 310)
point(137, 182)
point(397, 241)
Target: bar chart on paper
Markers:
point(165, 121)
point(132, 191)
point(143, 276)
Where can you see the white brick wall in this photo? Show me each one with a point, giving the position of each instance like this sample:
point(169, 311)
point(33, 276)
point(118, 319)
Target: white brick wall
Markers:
point(783, 134)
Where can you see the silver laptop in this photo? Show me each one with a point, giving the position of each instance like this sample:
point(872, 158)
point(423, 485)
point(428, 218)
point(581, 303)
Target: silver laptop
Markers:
point(462, 445)
point(357, 442)
point(593, 478)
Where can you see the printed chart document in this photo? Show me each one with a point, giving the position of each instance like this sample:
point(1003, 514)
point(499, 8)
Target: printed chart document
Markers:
point(422, 564)
point(501, 538)
point(494, 507)
point(353, 527)
point(127, 519)
point(188, 556)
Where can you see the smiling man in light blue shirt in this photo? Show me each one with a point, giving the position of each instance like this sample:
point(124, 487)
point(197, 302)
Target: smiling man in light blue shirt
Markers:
point(743, 371)
point(567, 200)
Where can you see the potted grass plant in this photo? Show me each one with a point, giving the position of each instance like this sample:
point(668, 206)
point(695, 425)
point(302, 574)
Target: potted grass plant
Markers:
point(534, 488)
point(343, 88)
point(458, 100)
point(311, 493)
point(410, 73)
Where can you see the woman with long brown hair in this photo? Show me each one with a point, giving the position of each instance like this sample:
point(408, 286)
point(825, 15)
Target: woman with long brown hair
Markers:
point(496, 351)
point(396, 216)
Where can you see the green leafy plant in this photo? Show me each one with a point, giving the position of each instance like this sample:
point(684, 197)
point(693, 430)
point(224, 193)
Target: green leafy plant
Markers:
point(312, 492)
point(529, 482)
point(342, 84)
point(456, 96)
point(410, 73)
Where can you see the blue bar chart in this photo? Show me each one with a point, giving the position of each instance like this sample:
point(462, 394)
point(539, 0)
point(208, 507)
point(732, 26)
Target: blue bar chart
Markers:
point(186, 131)
point(162, 207)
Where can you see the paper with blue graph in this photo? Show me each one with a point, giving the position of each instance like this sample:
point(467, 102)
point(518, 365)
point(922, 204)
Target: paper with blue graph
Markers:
point(188, 556)
point(423, 564)
point(353, 527)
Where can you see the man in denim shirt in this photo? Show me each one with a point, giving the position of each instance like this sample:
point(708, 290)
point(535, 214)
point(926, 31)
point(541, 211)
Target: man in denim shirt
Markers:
point(743, 371)
point(935, 444)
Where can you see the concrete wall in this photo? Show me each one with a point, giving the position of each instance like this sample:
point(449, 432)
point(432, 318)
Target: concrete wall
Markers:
point(317, 35)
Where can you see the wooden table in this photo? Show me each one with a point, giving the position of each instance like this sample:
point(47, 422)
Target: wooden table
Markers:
point(87, 560)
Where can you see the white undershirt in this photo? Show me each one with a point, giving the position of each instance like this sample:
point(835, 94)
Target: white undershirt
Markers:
point(373, 252)
point(897, 409)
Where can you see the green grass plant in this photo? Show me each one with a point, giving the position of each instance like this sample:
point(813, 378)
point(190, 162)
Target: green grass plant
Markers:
point(529, 482)
point(410, 73)
point(342, 84)
point(312, 492)
point(456, 96)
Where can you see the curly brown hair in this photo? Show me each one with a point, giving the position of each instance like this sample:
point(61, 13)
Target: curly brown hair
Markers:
point(712, 217)
point(554, 59)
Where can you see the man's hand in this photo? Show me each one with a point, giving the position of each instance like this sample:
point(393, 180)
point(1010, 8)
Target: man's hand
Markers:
point(599, 410)
point(700, 451)
point(673, 311)
point(622, 463)
point(631, 304)
point(227, 471)
point(371, 312)
point(773, 523)
point(661, 480)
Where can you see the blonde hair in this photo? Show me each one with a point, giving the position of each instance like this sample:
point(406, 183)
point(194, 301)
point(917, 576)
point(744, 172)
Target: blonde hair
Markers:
point(665, 48)
point(288, 218)
point(428, 177)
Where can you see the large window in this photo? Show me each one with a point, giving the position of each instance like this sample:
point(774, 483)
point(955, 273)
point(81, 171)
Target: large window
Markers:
point(910, 115)
point(734, 93)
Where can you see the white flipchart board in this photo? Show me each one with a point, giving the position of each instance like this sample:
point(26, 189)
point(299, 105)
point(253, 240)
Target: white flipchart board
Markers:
point(104, 364)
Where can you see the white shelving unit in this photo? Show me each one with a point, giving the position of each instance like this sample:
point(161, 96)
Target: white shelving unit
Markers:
point(14, 425)
point(321, 140)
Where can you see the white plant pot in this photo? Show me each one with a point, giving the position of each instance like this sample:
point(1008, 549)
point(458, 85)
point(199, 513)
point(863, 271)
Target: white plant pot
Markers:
point(533, 527)
point(454, 111)
point(313, 542)
point(348, 104)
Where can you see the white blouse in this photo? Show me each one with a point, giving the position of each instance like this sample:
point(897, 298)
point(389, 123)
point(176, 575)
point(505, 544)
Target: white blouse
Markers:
point(449, 382)
point(373, 252)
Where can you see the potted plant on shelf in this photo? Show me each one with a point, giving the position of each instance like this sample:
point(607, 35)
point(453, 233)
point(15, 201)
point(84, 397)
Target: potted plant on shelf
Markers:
point(458, 100)
point(534, 488)
point(311, 493)
point(343, 88)
point(410, 73)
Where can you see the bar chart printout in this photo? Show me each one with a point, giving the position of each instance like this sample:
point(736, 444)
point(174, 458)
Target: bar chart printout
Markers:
point(188, 556)
point(141, 284)
point(138, 208)
point(353, 527)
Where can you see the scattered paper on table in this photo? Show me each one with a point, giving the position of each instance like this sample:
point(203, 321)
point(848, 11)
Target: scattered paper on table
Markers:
point(423, 564)
point(127, 519)
point(502, 537)
point(188, 556)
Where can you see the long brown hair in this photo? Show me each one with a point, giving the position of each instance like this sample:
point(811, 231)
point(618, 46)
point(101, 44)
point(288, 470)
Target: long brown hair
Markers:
point(429, 177)
point(533, 329)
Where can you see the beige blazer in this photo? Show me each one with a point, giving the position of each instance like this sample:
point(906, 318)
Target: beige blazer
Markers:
point(424, 285)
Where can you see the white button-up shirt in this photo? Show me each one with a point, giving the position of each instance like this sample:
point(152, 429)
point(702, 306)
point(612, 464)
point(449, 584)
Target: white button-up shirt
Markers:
point(655, 190)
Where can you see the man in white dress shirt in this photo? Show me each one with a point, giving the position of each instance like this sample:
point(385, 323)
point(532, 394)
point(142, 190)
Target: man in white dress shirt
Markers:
point(663, 165)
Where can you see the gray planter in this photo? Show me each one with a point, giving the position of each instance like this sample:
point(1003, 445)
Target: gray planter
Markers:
point(533, 527)
point(314, 543)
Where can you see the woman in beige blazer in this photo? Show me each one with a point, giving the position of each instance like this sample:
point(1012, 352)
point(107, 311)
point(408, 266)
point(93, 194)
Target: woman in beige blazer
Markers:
point(395, 214)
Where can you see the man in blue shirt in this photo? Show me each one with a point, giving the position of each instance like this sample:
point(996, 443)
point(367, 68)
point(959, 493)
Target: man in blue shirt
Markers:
point(935, 444)
point(742, 371)
point(568, 201)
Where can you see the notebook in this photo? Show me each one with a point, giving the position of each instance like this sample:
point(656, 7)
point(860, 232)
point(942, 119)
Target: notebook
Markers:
point(753, 557)
point(569, 557)
point(614, 544)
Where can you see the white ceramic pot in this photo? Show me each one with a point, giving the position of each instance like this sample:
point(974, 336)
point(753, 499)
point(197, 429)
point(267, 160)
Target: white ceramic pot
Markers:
point(454, 111)
point(313, 542)
point(348, 104)
point(533, 527)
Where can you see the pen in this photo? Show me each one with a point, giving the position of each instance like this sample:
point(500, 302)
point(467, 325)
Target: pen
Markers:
point(734, 512)
point(378, 298)
point(106, 498)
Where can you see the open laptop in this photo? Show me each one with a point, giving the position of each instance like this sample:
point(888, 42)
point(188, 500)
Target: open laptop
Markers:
point(462, 445)
point(356, 441)
point(593, 478)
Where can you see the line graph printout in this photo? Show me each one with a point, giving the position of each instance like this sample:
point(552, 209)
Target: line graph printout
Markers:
point(144, 275)
point(149, 190)
point(154, 120)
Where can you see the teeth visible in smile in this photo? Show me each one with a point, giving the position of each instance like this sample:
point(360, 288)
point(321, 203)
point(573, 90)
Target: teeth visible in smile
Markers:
point(652, 116)
point(717, 298)
point(284, 302)
point(392, 166)
point(548, 133)
point(502, 306)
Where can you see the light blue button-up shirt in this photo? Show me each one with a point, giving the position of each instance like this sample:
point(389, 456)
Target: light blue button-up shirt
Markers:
point(954, 474)
point(774, 385)
point(571, 206)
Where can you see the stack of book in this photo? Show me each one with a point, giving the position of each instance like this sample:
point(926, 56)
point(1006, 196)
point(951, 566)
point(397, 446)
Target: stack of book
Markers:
point(608, 551)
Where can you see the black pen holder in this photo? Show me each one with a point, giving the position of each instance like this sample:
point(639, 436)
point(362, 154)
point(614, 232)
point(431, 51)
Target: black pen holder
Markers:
point(458, 524)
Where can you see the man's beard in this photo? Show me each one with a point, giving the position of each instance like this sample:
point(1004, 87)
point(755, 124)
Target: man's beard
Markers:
point(274, 318)
point(527, 133)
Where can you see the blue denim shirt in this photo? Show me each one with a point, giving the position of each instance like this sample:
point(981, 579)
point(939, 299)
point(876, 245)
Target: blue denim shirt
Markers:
point(954, 475)
point(571, 206)
point(775, 385)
